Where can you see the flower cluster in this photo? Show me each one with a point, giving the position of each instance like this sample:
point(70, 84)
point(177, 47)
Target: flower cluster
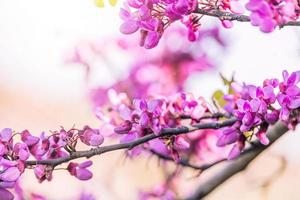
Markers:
point(289, 98)
point(150, 116)
point(144, 117)
point(14, 155)
point(153, 17)
point(267, 14)
point(255, 109)
point(251, 109)
point(12, 161)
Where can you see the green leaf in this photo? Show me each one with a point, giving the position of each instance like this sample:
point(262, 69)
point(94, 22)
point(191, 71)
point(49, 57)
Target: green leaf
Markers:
point(218, 98)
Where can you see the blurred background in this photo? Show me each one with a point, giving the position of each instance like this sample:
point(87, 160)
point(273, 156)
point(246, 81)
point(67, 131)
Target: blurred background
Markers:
point(39, 91)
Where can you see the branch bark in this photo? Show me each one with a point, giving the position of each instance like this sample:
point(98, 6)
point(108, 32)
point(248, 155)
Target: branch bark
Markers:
point(235, 166)
point(234, 17)
point(129, 145)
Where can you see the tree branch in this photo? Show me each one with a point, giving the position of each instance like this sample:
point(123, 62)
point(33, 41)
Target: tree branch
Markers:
point(235, 166)
point(234, 17)
point(129, 145)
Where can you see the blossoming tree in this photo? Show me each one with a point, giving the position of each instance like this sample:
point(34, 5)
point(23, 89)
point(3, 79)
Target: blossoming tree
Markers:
point(153, 115)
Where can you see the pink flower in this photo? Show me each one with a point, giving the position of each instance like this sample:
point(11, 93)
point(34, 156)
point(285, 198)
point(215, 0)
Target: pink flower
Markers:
point(230, 135)
point(29, 139)
point(42, 172)
point(21, 151)
point(268, 14)
point(151, 25)
point(124, 127)
point(80, 171)
point(10, 174)
point(227, 24)
point(5, 134)
point(91, 136)
point(289, 97)
point(181, 144)
point(129, 27)
point(236, 150)
point(158, 146)
point(5, 194)
point(261, 135)
point(151, 39)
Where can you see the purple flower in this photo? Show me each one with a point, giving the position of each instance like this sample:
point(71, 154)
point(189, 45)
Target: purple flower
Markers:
point(272, 117)
point(147, 114)
point(5, 194)
point(151, 39)
point(124, 127)
point(268, 14)
point(10, 174)
point(289, 97)
point(248, 113)
point(5, 134)
point(261, 135)
point(230, 135)
point(158, 146)
point(181, 7)
point(3, 149)
point(152, 25)
point(29, 139)
point(42, 172)
point(38, 147)
point(80, 171)
point(11, 171)
point(236, 149)
point(21, 151)
point(91, 136)
point(129, 27)
point(181, 144)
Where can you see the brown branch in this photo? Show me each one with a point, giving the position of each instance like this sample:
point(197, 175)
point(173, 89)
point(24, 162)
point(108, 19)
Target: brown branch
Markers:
point(129, 145)
point(235, 17)
point(235, 166)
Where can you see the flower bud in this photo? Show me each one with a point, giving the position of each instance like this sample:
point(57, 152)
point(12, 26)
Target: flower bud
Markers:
point(124, 128)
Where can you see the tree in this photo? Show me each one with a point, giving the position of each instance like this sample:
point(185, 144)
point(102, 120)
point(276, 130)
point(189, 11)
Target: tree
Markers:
point(151, 113)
